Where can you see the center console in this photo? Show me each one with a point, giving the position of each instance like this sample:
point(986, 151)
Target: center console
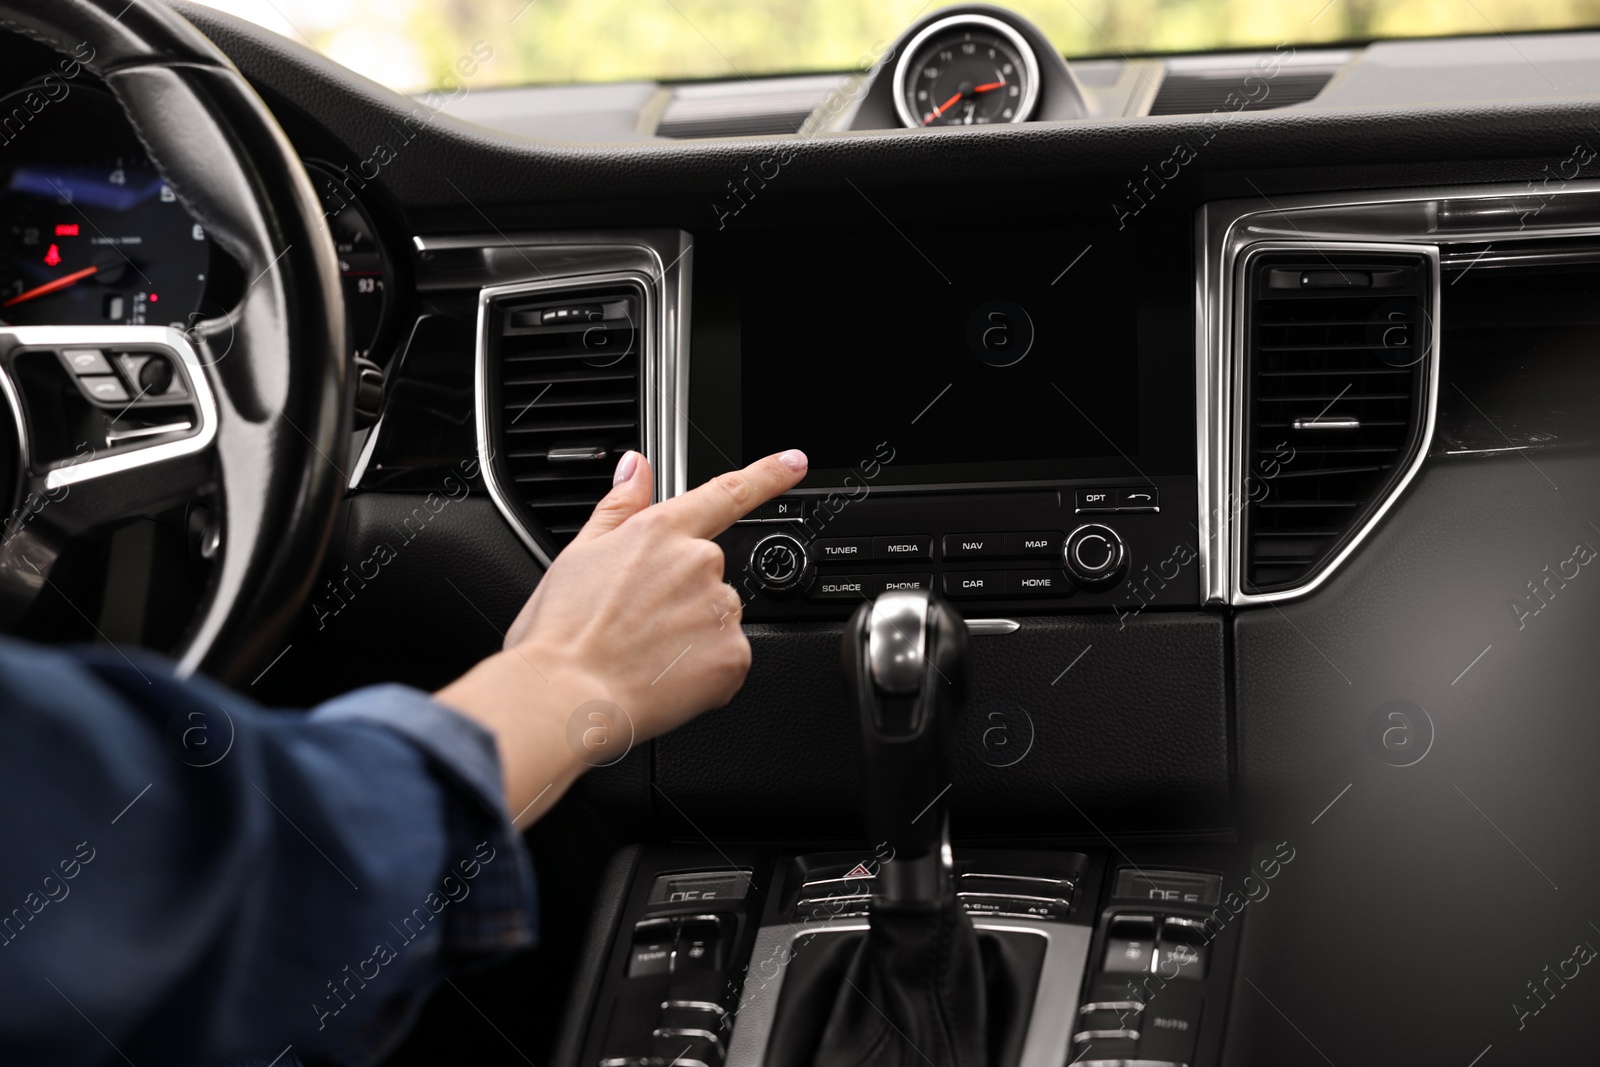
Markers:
point(1005, 418)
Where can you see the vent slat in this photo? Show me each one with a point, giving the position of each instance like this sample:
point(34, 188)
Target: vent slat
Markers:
point(565, 379)
point(1330, 353)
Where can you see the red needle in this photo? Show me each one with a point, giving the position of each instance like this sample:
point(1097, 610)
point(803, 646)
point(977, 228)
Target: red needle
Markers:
point(988, 86)
point(49, 287)
point(940, 110)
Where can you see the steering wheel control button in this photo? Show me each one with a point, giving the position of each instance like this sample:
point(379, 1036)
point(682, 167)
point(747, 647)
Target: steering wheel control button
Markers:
point(842, 587)
point(1041, 545)
point(912, 547)
point(1095, 556)
point(842, 549)
point(780, 563)
point(82, 361)
point(1097, 499)
point(107, 389)
point(1140, 498)
point(901, 583)
point(1039, 583)
point(1131, 945)
point(974, 546)
point(965, 584)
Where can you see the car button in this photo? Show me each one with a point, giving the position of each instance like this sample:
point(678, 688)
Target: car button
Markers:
point(974, 583)
point(973, 546)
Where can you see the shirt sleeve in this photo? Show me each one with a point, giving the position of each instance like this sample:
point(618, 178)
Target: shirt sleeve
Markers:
point(188, 877)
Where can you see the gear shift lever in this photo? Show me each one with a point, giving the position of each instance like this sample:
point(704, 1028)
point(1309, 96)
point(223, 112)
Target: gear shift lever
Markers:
point(904, 659)
point(919, 987)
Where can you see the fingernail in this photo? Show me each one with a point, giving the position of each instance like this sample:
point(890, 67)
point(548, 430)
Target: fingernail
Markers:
point(625, 467)
point(794, 459)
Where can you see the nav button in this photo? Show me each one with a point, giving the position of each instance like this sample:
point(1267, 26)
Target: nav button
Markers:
point(973, 546)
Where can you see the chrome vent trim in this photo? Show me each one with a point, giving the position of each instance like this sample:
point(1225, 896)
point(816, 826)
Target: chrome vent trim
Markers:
point(663, 258)
point(1425, 219)
point(1240, 414)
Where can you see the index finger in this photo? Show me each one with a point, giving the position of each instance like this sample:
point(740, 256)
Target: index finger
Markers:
point(713, 507)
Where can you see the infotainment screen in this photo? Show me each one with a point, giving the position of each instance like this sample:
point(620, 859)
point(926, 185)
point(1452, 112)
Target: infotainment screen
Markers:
point(970, 355)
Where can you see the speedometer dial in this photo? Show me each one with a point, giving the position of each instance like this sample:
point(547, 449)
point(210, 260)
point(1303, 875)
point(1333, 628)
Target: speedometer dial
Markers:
point(966, 70)
point(89, 231)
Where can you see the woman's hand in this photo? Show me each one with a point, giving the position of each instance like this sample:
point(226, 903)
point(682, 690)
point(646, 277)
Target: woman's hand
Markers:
point(634, 615)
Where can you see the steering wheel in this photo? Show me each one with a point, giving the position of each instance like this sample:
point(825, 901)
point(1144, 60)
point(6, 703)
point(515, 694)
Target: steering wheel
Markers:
point(265, 382)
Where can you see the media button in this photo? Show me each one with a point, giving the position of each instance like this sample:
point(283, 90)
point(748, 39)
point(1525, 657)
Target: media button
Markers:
point(842, 549)
point(1044, 545)
point(1097, 499)
point(910, 547)
point(1040, 583)
point(974, 583)
point(974, 546)
point(841, 587)
point(901, 583)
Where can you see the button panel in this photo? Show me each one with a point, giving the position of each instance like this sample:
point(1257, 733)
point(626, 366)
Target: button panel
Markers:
point(1126, 499)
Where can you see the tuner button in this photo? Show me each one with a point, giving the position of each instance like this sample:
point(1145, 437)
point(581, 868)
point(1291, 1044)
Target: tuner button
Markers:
point(1095, 556)
point(781, 564)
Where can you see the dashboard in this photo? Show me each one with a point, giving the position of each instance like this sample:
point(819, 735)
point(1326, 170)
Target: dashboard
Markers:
point(1233, 401)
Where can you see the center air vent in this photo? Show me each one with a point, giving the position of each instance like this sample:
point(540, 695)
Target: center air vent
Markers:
point(562, 399)
point(1337, 375)
point(1246, 88)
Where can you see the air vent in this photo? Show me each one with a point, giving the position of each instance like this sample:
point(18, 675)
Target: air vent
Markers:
point(562, 374)
point(1200, 92)
point(1338, 365)
point(748, 109)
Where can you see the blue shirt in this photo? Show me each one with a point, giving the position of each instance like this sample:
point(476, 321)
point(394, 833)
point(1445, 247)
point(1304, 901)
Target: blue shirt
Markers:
point(186, 877)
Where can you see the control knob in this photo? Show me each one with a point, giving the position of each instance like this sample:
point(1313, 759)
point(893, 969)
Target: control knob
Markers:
point(781, 564)
point(1095, 556)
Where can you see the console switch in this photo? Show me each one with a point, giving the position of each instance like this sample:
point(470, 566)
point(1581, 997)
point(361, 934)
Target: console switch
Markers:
point(1170, 1023)
point(1183, 948)
point(1131, 944)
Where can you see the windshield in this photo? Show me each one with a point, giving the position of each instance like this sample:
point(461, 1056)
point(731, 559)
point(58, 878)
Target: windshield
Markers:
point(414, 45)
